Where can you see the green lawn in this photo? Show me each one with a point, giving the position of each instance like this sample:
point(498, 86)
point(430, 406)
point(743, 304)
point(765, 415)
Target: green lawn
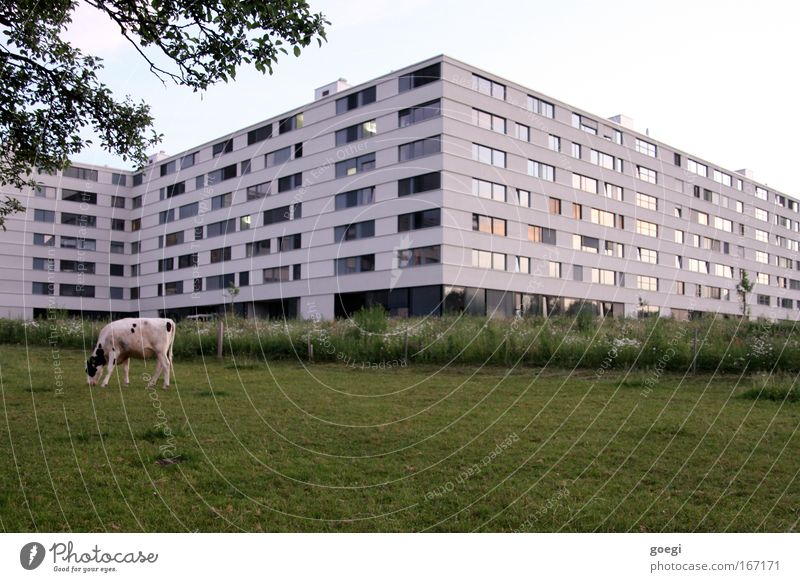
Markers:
point(281, 447)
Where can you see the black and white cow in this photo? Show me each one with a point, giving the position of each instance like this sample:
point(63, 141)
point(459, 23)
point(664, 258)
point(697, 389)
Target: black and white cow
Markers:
point(133, 337)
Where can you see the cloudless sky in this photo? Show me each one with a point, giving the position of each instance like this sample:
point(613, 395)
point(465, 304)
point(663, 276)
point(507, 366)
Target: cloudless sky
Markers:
point(718, 79)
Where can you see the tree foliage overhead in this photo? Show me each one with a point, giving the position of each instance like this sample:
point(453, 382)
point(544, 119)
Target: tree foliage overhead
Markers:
point(50, 92)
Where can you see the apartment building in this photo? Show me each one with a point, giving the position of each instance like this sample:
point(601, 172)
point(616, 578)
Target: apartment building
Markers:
point(436, 188)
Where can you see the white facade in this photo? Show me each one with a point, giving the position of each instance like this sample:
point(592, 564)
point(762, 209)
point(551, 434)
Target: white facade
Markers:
point(636, 225)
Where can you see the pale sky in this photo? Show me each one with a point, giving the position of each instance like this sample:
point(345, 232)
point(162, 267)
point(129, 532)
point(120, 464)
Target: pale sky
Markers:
point(715, 78)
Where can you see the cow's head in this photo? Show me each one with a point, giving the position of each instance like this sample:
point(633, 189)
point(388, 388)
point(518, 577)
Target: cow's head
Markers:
point(94, 364)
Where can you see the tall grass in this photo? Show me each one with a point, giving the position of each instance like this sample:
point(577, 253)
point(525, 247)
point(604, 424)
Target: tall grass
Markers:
point(724, 345)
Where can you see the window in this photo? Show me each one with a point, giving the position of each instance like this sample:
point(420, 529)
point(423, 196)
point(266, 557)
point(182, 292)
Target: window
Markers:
point(523, 132)
point(220, 255)
point(244, 278)
point(173, 238)
point(217, 282)
point(646, 283)
point(352, 198)
point(612, 191)
point(541, 107)
point(576, 150)
point(584, 183)
point(763, 300)
point(355, 166)
point(614, 249)
point(80, 173)
point(554, 205)
point(357, 132)
point(360, 264)
point(489, 121)
point(117, 202)
point(168, 168)
point(523, 198)
point(278, 157)
point(222, 174)
point(519, 264)
point(418, 220)
point(277, 274)
point(290, 242)
point(166, 264)
point(355, 100)
point(648, 256)
point(68, 290)
point(354, 231)
point(488, 190)
point(136, 202)
point(419, 257)
point(119, 179)
point(488, 155)
point(38, 288)
point(587, 244)
point(245, 222)
point(646, 228)
point(577, 211)
point(117, 224)
point(260, 134)
point(44, 216)
point(417, 184)
point(488, 260)
point(488, 87)
point(188, 161)
point(604, 160)
point(138, 179)
point(646, 148)
point(221, 228)
point(82, 220)
point(419, 78)
point(542, 235)
point(116, 270)
point(604, 277)
point(722, 178)
point(419, 148)
point(115, 293)
point(541, 171)
point(554, 269)
point(290, 182)
point(605, 218)
point(677, 161)
point(290, 123)
point(186, 261)
point(646, 174)
point(256, 249)
point(646, 201)
point(258, 190)
point(697, 266)
point(44, 240)
point(554, 142)
point(172, 190)
point(116, 247)
point(40, 264)
point(488, 224)
point(761, 214)
point(412, 115)
point(679, 237)
point(166, 216)
point(45, 191)
point(697, 168)
point(189, 210)
point(583, 123)
point(223, 147)
point(761, 193)
point(78, 196)
point(283, 214)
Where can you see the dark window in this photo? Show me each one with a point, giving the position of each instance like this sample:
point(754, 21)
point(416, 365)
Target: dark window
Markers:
point(115, 293)
point(116, 270)
point(117, 202)
point(186, 261)
point(353, 231)
point(189, 210)
point(245, 167)
point(356, 132)
point(86, 244)
point(172, 190)
point(677, 159)
point(244, 278)
point(222, 174)
point(283, 213)
point(222, 254)
point(41, 264)
point(418, 220)
point(290, 123)
point(298, 150)
point(38, 288)
point(134, 293)
point(221, 228)
point(173, 288)
point(260, 134)
point(119, 179)
point(419, 148)
point(278, 157)
point(419, 256)
point(220, 282)
point(361, 264)
point(80, 173)
point(198, 233)
point(78, 219)
point(419, 113)
point(255, 249)
point(222, 147)
point(166, 264)
point(417, 184)
point(44, 240)
point(78, 196)
point(290, 182)
point(168, 168)
point(355, 165)
point(117, 224)
point(355, 100)
point(138, 179)
point(197, 285)
point(221, 201)
point(136, 202)
point(188, 161)
point(174, 238)
point(289, 242)
point(44, 215)
point(258, 191)
point(68, 290)
point(166, 216)
point(420, 77)
point(355, 198)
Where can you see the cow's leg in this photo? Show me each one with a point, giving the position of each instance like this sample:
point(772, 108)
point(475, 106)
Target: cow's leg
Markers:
point(156, 372)
point(166, 367)
point(126, 366)
point(109, 370)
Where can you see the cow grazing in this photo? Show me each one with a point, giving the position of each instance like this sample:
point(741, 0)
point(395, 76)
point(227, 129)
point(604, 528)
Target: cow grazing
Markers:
point(133, 337)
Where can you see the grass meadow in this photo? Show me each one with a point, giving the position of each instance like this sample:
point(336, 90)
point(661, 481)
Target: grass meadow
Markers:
point(522, 440)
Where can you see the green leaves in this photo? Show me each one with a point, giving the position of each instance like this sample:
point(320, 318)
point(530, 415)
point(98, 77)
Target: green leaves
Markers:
point(50, 91)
